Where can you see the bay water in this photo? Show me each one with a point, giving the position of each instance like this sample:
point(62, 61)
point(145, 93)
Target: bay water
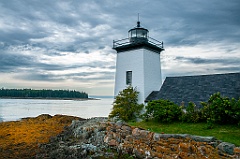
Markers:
point(15, 109)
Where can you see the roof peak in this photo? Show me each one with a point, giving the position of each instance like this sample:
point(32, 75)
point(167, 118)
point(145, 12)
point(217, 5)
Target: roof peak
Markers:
point(203, 75)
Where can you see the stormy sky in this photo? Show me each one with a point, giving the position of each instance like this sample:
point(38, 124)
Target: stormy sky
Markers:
point(68, 44)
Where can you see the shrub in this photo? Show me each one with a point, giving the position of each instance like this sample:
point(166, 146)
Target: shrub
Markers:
point(163, 111)
point(236, 110)
point(221, 110)
point(191, 114)
point(125, 105)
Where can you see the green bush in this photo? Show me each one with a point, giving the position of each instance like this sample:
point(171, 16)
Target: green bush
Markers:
point(191, 114)
point(163, 111)
point(221, 110)
point(218, 110)
point(125, 105)
point(236, 111)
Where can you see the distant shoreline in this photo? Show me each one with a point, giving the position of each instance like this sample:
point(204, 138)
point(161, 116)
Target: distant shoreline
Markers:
point(78, 99)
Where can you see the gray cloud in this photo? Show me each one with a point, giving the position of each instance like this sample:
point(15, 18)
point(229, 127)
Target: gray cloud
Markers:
point(14, 62)
point(228, 61)
point(229, 69)
point(33, 32)
point(34, 76)
point(200, 22)
point(83, 76)
point(11, 62)
point(182, 23)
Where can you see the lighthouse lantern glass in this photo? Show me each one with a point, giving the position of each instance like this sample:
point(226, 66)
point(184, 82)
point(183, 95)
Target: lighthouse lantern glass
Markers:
point(142, 33)
point(139, 33)
point(133, 33)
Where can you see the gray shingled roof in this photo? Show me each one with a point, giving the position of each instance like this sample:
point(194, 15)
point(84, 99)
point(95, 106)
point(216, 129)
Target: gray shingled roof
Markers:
point(197, 88)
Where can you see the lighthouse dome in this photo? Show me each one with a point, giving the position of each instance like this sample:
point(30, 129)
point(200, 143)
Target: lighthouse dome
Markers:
point(138, 34)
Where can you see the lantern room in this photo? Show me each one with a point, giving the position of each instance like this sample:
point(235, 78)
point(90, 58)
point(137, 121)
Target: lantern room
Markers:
point(138, 34)
point(138, 37)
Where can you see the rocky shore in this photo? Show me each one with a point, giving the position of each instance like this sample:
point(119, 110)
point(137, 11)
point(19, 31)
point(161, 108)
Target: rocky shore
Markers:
point(68, 137)
point(98, 138)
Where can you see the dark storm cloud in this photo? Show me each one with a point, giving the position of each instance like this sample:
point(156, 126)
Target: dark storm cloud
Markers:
point(175, 22)
point(229, 69)
point(33, 76)
point(10, 62)
point(176, 73)
point(187, 23)
point(70, 48)
point(225, 61)
point(18, 36)
point(83, 76)
point(35, 20)
point(32, 69)
point(14, 62)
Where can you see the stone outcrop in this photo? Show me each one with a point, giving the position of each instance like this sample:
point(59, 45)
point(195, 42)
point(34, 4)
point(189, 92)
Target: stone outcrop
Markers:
point(82, 139)
point(145, 144)
point(99, 138)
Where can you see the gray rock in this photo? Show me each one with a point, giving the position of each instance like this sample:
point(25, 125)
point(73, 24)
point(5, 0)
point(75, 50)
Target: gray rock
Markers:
point(156, 137)
point(166, 136)
point(226, 147)
point(89, 147)
point(203, 139)
point(139, 153)
point(120, 123)
point(97, 138)
point(76, 123)
point(183, 136)
point(126, 128)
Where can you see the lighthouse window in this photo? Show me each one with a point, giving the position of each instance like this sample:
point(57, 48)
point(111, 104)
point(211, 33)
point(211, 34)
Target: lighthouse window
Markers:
point(129, 77)
point(140, 33)
point(133, 33)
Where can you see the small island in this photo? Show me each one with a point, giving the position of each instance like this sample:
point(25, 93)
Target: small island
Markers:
point(42, 94)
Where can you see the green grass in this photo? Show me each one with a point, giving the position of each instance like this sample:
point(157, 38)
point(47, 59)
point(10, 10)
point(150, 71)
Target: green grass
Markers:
point(226, 133)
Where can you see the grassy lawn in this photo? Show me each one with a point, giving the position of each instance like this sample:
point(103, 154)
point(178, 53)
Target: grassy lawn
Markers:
point(226, 133)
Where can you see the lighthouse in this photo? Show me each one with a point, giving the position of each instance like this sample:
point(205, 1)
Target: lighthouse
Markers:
point(138, 62)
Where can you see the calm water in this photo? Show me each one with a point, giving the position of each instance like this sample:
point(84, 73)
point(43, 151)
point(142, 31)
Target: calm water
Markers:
point(15, 109)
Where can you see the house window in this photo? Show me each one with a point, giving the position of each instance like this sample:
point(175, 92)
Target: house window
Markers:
point(129, 77)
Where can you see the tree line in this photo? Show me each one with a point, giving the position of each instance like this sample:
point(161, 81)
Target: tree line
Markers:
point(45, 93)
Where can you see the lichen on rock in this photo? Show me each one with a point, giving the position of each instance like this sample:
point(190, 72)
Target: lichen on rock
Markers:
point(100, 138)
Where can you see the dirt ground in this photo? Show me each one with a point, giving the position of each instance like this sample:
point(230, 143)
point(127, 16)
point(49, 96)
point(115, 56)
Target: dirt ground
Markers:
point(20, 139)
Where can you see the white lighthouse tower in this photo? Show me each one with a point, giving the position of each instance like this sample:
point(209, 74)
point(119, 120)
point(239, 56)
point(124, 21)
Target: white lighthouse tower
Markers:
point(138, 63)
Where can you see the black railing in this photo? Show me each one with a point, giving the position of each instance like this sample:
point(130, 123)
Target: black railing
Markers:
point(122, 42)
point(127, 41)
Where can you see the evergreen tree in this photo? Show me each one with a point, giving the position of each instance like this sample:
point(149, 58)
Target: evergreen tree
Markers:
point(126, 105)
